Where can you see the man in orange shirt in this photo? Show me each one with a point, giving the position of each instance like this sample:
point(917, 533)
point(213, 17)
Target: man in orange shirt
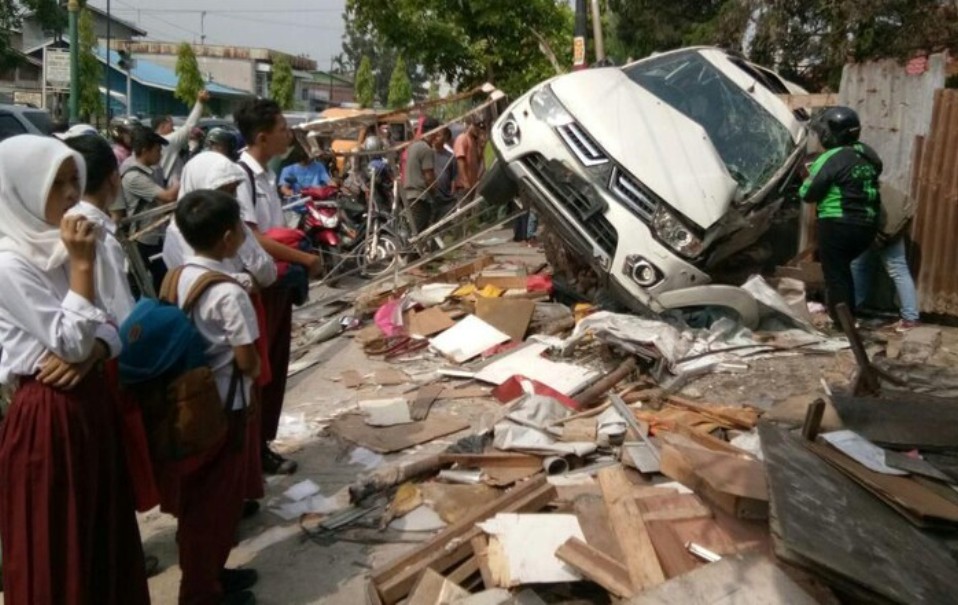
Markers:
point(468, 151)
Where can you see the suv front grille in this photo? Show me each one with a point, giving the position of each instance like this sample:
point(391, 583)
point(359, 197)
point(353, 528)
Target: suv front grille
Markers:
point(582, 145)
point(632, 194)
point(590, 217)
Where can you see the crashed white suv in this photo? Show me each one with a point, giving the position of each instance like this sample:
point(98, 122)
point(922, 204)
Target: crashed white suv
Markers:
point(655, 172)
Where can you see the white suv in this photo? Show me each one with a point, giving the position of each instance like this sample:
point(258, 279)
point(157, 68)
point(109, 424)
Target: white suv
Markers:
point(655, 172)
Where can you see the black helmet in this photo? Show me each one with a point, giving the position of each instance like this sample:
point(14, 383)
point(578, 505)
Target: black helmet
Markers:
point(837, 126)
point(225, 139)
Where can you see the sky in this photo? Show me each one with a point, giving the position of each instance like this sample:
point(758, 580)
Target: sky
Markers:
point(310, 27)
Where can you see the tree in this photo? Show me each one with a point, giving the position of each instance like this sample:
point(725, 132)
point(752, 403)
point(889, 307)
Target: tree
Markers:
point(90, 102)
point(283, 87)
point(188, 73)
point(362, 41)
point(400, 88)
point(49, 14)
point(472, 42)
point(365, 84)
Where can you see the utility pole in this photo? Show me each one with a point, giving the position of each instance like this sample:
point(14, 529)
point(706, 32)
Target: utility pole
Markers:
point(578, 40)
point(203, 27)
point(597, 32)
point(74, 9)
point(109, 20)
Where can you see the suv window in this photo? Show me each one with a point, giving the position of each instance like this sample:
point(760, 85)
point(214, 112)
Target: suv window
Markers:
point(10, 126)
point(40, 119)
point(752, 143)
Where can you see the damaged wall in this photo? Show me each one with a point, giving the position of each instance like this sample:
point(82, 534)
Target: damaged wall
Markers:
point(936, 219)
point(894, 107)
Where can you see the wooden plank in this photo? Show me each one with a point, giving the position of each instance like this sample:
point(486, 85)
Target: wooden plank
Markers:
point(809, 101)
point(751, 580)
point(480, 548)
point(674, 556)
point(461, 574)
point(594, 521)
point(596, 566)
point(434, 589)
point(891, 560)
point(743, 418)
point(395, 580)
point(673, 507)
point(733, 483)
point(901, 420)
point(626, 520)
point(705, 440)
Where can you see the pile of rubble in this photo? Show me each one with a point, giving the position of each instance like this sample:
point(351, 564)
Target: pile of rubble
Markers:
point(595, 481)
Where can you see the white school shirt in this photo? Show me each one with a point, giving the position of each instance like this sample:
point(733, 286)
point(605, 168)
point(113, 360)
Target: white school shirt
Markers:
point(267, 211)
point(251, 260)
point(39, 314)
point(225, 318)
point(113, 293)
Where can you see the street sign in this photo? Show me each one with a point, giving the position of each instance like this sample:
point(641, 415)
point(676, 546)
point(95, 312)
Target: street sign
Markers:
point(57, 67)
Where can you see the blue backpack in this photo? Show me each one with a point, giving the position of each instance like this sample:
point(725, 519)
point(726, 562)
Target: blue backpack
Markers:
point(163, 365)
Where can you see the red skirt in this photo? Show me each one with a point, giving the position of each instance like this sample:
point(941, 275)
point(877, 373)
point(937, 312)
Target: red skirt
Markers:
point(136, 444)
point(67, 520)
point(279, 325)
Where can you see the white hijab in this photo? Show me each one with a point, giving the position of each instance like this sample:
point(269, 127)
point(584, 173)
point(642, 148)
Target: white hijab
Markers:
point(28, 167)
point(209, 170)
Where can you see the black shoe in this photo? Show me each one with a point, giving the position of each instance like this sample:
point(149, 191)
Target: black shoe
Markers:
point(237, 580)
point(239, 598)
point(152, 565)
point(274, 464)
point(250, 508)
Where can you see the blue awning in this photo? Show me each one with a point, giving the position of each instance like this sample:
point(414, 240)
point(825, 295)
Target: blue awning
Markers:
point(157, 76)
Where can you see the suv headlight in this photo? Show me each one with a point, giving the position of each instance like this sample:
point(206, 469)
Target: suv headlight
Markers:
point(547, 108)
point(675, 233)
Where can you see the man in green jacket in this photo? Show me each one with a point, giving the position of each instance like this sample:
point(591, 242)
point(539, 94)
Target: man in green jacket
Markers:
point(843, 182)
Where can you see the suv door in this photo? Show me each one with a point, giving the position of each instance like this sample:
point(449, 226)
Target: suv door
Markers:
point(10, 126)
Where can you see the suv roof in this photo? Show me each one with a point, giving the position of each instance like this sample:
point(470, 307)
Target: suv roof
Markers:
point(21, 119)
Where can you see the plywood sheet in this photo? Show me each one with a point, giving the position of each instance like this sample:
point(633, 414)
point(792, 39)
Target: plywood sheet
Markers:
point(511, 316)
point(839, 530)
point(902, 421)
point(384, 440)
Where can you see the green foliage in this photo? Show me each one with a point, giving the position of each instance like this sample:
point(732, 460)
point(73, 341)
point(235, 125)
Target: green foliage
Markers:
point(188, 72)
point(472, 42)
point(361, 41)
point(400, 88)
point(51, 16)
point(90, 102)
point(282, 88)
point(808, 41)
point(365, 84)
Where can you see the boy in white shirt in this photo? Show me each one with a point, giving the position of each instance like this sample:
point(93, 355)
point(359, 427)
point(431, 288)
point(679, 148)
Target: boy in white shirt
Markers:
point(211, 488)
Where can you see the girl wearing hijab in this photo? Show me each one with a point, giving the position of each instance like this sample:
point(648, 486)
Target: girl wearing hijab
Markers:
point(67, 520)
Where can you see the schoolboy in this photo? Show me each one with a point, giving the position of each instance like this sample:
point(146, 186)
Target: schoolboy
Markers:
point(211, 488)
point(263, 127)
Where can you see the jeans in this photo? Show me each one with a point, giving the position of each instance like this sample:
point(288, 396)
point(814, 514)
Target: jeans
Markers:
point(838, 245)
point(532, 225)
point(893, 258)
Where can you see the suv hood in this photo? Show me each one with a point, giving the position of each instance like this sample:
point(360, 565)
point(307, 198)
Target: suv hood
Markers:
point(668, 152)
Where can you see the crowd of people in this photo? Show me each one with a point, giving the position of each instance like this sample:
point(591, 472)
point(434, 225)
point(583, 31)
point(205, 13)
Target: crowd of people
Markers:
point(78, 453)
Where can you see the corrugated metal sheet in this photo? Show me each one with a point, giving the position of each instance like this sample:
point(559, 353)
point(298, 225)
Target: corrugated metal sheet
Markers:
point(935, 230)
point(894, 108)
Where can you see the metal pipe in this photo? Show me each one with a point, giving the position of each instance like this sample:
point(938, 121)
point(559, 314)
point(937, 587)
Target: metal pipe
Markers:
point(597, 32)
point(109, 20)
point(579, 34)
point(74, 9)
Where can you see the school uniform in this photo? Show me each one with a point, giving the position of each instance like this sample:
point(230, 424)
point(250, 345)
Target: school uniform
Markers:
point(67, 521)
point(252, 267)
point(211, 486)
point(113, 296)
point(261, 206)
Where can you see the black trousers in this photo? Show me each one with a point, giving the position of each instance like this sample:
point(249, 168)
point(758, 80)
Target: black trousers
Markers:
point(157, 267)
point(838, 245)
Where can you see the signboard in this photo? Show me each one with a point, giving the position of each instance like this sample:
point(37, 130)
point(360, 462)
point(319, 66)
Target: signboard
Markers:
point(56, 66)
point(28, 98)
point(578, 52)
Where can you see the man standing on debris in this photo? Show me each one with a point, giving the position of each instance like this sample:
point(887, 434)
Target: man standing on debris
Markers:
point(843, 182)
point(468, 150)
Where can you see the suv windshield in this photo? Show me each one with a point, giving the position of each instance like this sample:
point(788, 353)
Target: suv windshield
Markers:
point(751, 142)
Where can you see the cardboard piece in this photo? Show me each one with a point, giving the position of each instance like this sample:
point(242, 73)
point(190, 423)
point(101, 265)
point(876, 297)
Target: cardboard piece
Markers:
point(468, 339)
point(511, 316)
point(453, 502)
point(388, 377)
point(527, 361)
point(351, 378)
point(459, 272)
point(386, 412)
point(384, 440)
point(428, 322)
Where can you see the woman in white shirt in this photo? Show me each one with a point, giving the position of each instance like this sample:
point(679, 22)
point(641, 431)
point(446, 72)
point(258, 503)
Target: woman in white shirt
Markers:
point(67, 521)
